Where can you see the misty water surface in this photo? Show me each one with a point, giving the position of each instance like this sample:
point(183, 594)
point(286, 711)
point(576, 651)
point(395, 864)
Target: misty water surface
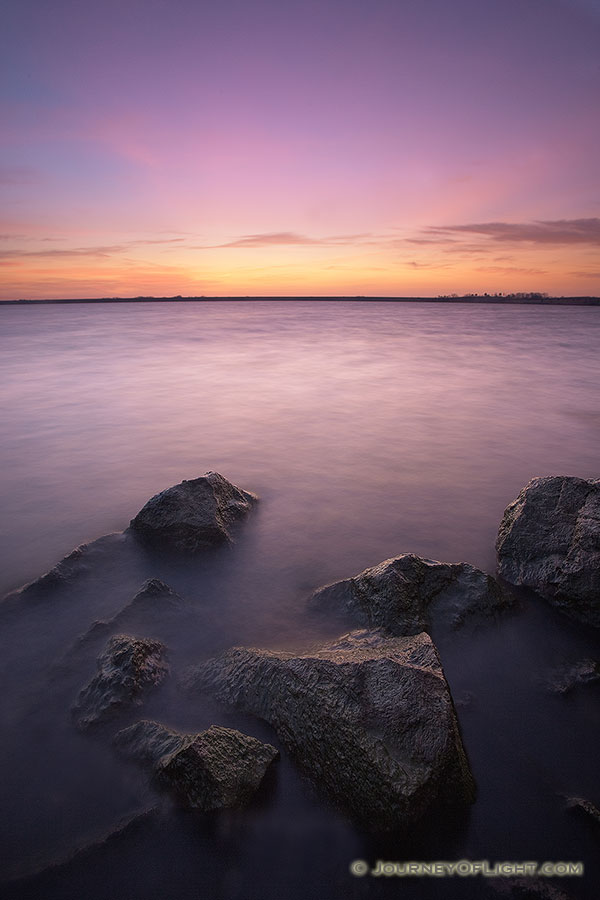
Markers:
point(368, 430)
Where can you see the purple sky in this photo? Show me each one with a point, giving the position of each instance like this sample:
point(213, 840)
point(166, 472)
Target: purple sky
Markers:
point(261, 148)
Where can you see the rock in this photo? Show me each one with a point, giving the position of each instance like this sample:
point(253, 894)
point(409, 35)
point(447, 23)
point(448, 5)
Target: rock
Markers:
point(368, 717)
point(154, 606)
point(402, 594)
point(194, 514)
point(530, 888)
point(73, 567)
point(565, 678)
point(216, 769)
point(549, 540)
point(127, 668)
point(578, 804)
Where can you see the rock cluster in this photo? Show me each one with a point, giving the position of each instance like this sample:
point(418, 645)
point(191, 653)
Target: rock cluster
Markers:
point(369, 717)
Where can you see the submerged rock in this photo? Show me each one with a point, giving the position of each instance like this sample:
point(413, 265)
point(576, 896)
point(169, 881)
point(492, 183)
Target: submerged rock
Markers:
point(127, 669)
point(74, 566)
point(194, 514)
point(566, 678)
point(155, 606)
point(585, 807)
point(402, 594)
point(216, 769)
point(368, 717)
point(549, 540)
point(530, 888)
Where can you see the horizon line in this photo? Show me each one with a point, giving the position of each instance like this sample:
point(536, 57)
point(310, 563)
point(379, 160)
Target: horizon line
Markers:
point(516, 298)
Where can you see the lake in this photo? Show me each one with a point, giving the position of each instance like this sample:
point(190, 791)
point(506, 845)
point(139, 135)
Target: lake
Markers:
point(368, 429)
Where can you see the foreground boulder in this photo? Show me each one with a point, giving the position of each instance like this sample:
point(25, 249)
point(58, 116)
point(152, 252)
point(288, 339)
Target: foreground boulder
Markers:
point(369, 717)
point(402, 594)
point(549, 540)
point(193, 515)
point(127, 669)
point(216, 769)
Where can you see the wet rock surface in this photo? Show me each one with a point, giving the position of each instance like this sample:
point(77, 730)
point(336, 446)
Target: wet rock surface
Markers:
point(405, 593)
point(369, 718)
point(193, 515)
point(127, 669)
point(216, 769)
point(549, 540)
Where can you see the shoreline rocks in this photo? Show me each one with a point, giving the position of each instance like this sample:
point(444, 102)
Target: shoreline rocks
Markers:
point(219, 768)
point(127, 669)
point(404, 593)
point(193, 515)
point(368, 717)
point(549, 540)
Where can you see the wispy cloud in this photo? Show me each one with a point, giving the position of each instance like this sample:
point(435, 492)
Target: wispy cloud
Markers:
point(97, 252)
point(585, 274)
point(559, 231)
point(425, 265)
point(158, 241)
point(291, 238)
point(509, 270)
point(63, 254)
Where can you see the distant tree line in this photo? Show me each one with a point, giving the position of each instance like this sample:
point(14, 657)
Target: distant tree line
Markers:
point(520, 295)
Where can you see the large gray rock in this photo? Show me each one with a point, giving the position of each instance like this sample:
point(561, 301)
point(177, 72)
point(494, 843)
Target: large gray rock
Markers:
point(127, 669)
point(216, 769)
point(194, 514)
point(368, 717)
point(404, 593)
point(549, 540)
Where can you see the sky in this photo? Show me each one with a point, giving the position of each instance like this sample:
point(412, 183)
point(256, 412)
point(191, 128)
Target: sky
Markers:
point(341, 147)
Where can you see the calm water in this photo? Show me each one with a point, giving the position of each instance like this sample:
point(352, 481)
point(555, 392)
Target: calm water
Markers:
point(367, 429)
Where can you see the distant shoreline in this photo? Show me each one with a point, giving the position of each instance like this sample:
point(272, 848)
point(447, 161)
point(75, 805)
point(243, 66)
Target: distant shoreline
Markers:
point(521, 301)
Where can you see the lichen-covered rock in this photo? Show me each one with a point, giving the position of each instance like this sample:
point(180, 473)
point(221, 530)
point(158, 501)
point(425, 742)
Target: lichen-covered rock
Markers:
point(127, 669)
point(404, 593)
point(368, 717)
point(549, 540)
point(216, 769)
point(193, 515)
